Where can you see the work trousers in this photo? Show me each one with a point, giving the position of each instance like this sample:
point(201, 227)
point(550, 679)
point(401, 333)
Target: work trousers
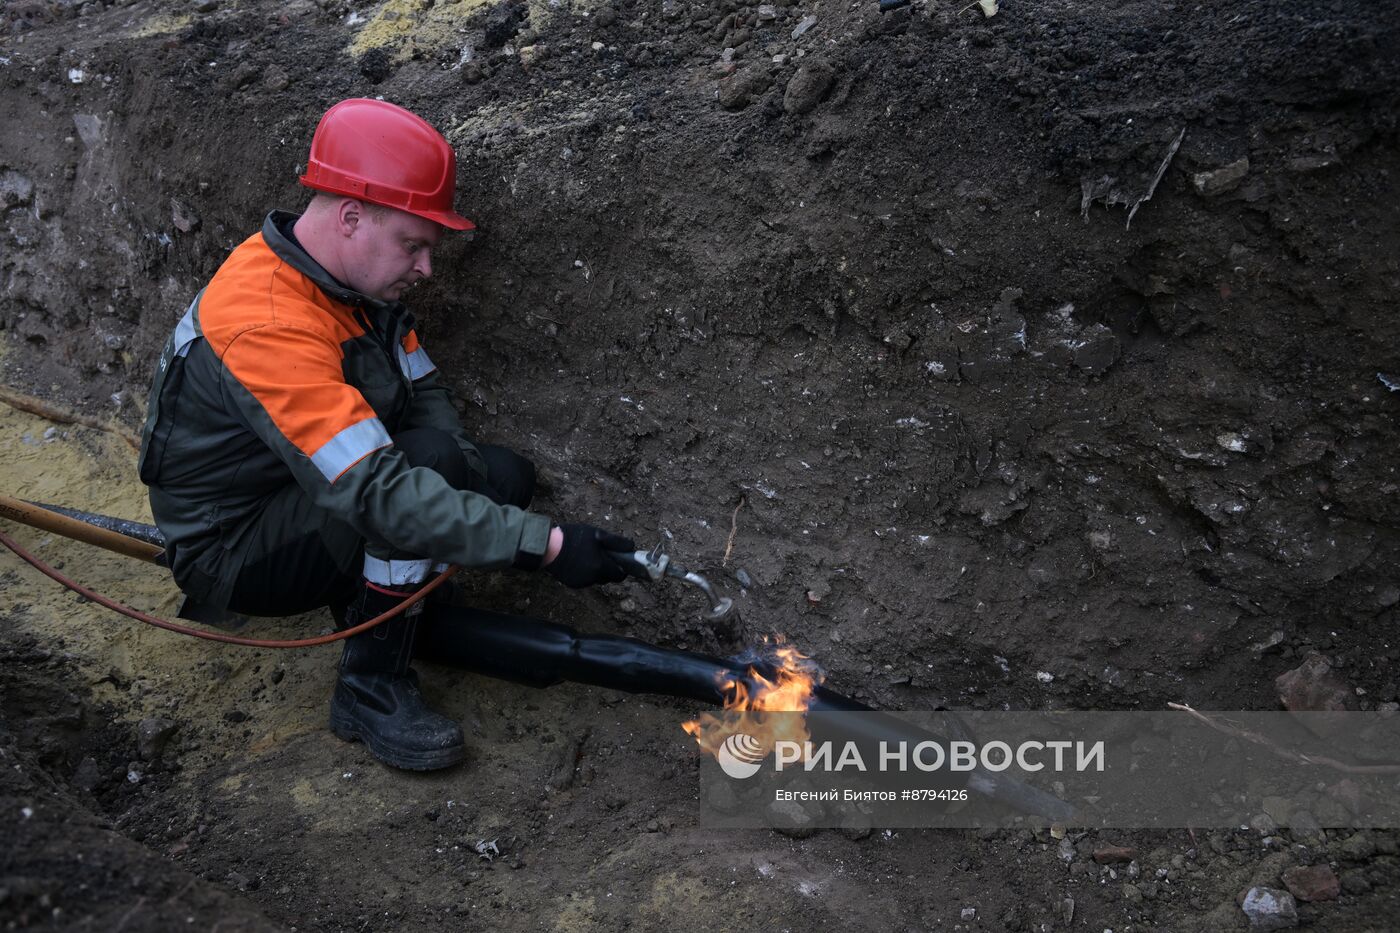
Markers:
point(303, 557)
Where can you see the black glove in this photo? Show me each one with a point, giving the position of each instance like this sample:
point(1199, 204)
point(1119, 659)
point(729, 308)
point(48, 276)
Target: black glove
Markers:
point(584, 560)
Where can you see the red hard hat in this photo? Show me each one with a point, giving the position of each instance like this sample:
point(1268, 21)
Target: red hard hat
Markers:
point(377, 152)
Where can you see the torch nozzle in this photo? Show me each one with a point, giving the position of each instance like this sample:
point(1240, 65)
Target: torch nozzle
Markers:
point(721, 607)
point(653, 565)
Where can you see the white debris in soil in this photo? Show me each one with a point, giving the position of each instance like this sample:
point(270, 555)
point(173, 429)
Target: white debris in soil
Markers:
point(1044, 677)
point(969, 913)
point(1231, 441)
point(487, 850)
point(75, 75)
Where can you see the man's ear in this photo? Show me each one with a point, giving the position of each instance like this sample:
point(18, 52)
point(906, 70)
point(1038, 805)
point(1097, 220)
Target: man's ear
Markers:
point(349, 215)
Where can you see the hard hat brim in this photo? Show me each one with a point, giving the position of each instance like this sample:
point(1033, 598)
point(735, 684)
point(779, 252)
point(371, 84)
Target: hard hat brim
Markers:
point(449, 219)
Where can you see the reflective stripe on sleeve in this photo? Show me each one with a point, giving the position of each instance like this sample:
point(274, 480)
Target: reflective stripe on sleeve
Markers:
point(186, 332)
point(395, 572)
point(349, 447)
point(415, 365)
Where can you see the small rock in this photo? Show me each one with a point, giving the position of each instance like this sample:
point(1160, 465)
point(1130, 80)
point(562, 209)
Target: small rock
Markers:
point(206, 6)
point(1095, 350)
point(235, 880)
point(530, 55)
point(15, 190)
point(1313, 686)
point(183, 216)
point(806, 23)
point(969, 913)
point(1312, 883)
point(1357, 848)
point(1067, 911)
point(152, 735)
point(1348, 793)
point(1221, 180)
point(88, 775)
point(376, 65)
point(856, 826)
point(1270, 909)
point(277, 675)
point(767, 12)
point(235, 716)
point(721, 796)
point(1315, 161)
point(1109, 855)
point(791, 819)
point(605, 17)
point(276, 78)
point(244, 75)
point(1354, 881)
point(738, 90)
point(807, 87)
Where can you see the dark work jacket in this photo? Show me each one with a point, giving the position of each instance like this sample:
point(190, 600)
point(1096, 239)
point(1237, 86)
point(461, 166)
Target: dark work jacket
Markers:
point(278, 374)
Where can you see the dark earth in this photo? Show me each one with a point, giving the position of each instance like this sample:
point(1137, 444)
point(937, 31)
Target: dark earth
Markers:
point(1046, 360)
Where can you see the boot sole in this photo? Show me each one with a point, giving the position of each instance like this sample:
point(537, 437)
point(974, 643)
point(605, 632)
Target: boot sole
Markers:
point(348, 730)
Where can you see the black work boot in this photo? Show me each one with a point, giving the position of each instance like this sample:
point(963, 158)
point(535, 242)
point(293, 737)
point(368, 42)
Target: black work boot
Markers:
point(376, 698)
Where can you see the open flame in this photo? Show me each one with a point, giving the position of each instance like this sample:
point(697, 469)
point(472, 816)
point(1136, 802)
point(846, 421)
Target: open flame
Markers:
point(778, 679)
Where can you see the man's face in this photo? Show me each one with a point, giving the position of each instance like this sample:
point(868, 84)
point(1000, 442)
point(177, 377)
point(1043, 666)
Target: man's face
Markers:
point(387, 251)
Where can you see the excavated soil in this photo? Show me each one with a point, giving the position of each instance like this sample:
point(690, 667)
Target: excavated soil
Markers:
point(1045, 360)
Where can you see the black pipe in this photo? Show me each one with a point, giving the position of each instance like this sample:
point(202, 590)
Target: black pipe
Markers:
point(138, 530)
point(541, 654)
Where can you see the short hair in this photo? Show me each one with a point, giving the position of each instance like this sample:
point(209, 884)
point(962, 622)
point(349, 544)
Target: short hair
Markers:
point(375, 212)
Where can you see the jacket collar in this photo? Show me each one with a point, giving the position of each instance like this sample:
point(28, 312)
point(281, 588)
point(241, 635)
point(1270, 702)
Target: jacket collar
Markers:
point(276, 233)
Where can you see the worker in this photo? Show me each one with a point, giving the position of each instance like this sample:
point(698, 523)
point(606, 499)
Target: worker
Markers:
point(301, 450)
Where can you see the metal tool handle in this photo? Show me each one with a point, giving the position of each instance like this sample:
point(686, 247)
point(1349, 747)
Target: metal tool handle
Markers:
point(644, 565)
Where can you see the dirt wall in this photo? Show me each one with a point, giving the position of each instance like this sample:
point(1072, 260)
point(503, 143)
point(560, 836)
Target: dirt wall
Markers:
point(1048, 358)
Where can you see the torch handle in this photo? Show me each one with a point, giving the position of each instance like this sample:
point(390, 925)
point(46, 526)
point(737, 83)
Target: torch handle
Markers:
point(640, 564)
